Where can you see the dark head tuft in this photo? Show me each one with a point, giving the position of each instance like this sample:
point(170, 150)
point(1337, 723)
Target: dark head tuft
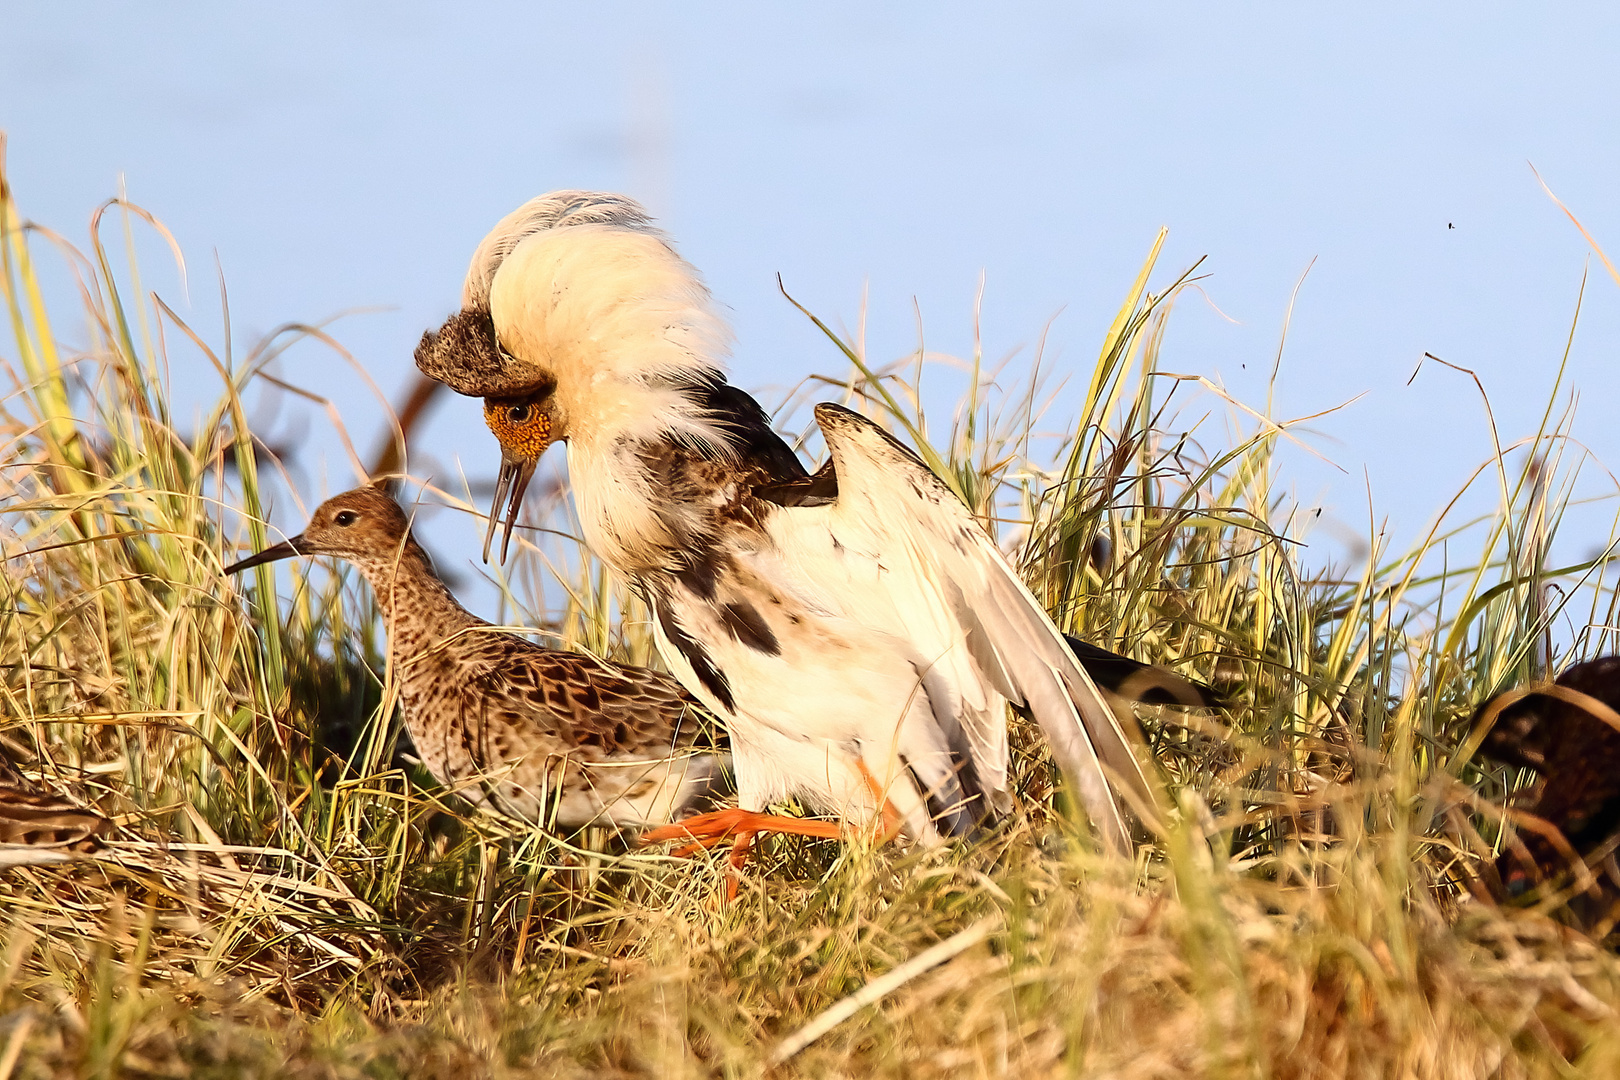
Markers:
point(465, 355)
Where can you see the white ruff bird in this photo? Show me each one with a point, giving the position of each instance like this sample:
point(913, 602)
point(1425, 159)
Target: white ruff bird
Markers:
point(857, 630)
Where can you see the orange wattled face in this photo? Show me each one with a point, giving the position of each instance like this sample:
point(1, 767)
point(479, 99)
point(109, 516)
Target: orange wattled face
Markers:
point(525, 428)
point(522, 426)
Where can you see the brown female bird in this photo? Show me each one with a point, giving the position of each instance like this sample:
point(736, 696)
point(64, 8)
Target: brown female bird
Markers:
point(545, 736)
point(37, 826)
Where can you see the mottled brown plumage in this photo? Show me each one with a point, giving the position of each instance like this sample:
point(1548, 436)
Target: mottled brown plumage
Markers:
point(546, 736)
point(37, 825)
point(1576, 798)
point(463, 352)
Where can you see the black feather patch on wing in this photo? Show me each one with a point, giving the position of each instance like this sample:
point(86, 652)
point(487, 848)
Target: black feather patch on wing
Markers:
point(713, 680)
point(748, 428)
point(744, 623)
point(818, 489)
point(700, 570)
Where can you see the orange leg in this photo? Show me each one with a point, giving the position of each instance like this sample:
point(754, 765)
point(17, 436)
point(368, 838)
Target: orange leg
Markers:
point(739, 826)
point(704, 831)
point(740, 850)
point(707, 830)
point(891, 816)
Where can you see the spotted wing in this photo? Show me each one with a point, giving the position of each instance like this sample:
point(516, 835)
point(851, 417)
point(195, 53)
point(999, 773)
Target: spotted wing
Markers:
point(601, 708)
point(895, 549)
point(547, 736)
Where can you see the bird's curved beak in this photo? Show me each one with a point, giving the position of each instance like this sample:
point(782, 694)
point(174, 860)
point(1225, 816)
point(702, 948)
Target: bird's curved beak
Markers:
point(513, 481)
point(284, 550)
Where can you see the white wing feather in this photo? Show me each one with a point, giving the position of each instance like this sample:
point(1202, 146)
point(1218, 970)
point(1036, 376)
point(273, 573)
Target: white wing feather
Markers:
point(898, 552)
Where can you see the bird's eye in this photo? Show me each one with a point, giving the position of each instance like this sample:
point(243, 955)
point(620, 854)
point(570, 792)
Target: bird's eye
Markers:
point(518, 414)
point(346, 518)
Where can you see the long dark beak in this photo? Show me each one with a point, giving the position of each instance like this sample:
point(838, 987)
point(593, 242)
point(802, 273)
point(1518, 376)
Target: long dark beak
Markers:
point(284, 550)
point(513, 481)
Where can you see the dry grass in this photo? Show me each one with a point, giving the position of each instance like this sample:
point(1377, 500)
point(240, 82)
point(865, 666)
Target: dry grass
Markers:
point(286, 897)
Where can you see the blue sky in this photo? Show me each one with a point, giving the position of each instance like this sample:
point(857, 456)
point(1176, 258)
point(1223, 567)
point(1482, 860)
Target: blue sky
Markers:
point(345, 156)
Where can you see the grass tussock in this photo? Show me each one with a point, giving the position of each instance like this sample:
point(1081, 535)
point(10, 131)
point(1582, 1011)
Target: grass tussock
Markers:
point(287, 895)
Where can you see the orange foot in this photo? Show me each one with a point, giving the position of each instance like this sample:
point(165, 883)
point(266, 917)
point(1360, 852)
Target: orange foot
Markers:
point(704, 831)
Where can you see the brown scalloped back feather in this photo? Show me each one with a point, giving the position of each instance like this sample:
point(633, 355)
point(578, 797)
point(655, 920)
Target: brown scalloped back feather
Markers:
point(545, 735)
